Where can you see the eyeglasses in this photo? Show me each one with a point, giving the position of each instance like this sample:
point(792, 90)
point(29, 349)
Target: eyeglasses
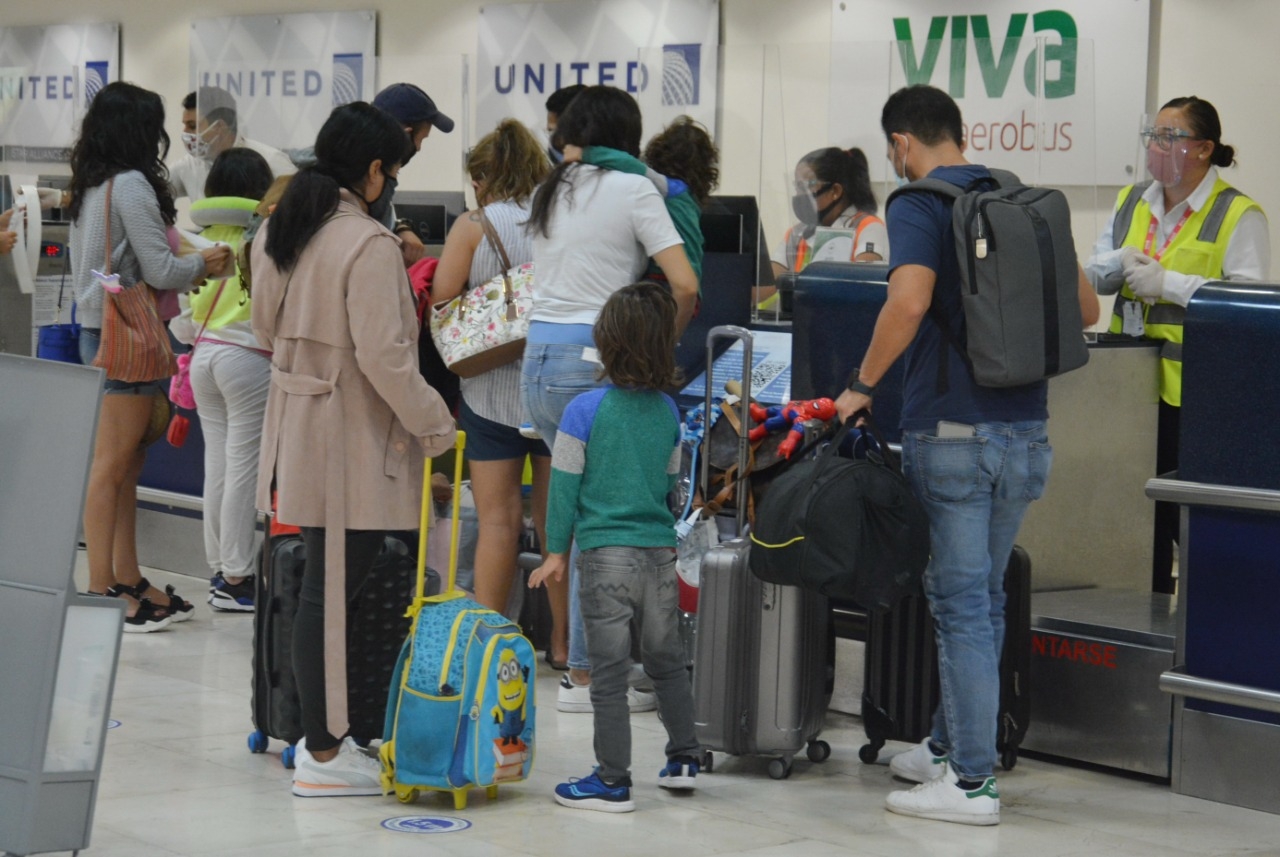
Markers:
point(817, 187)
point(1165, 137)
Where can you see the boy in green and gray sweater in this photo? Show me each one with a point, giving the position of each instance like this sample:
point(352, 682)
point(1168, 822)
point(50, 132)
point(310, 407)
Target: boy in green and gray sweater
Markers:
point(616, 457)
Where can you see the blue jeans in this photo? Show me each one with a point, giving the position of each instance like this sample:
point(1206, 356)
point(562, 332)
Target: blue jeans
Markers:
point(553, 376)
point(976, 490)
point(625, 588)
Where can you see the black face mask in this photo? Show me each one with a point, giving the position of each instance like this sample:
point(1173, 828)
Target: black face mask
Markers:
point(805, 207)
point(379, 207)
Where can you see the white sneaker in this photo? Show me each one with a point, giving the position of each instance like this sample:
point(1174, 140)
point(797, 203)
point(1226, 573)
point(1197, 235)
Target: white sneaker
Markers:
point(576, 698)
point(918, 764)
point(941, 799)
point(348, 774)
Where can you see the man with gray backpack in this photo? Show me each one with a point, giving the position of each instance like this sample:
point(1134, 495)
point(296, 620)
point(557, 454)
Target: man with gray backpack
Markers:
point(987, 301)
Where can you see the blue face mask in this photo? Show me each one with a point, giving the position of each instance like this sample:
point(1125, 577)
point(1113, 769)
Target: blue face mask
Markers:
point(900, 177)
point(555, 155)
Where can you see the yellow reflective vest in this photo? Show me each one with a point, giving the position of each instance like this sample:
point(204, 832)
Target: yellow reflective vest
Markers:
point(1198, 249)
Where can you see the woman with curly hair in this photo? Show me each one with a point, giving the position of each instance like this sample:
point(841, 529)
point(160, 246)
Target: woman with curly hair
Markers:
point(506, 167)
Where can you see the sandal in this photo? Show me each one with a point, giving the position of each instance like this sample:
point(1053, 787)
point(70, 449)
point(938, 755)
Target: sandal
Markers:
point(554, 664)
point(148, 617)
point(180, 609)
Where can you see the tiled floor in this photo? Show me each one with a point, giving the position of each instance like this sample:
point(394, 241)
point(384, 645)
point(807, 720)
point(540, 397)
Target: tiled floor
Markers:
point(179, 780)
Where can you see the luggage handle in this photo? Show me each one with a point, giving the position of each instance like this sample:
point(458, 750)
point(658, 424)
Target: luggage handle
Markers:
point(448, 590)
point(732, 331)
point(869, 424)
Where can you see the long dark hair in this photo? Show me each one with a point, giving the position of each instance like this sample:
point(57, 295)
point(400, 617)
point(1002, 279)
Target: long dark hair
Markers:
point(598, 116)
point(1205, 124)
point(684, 151)
point(848, 168)
point(353, 137)
point(636, 337)
point(122, 130)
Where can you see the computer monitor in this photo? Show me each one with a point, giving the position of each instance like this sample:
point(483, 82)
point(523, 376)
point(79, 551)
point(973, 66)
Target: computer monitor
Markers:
point(431, 212)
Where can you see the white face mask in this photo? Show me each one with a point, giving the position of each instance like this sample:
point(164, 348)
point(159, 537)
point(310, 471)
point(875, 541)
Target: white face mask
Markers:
point(901, 176)
point(197, 145)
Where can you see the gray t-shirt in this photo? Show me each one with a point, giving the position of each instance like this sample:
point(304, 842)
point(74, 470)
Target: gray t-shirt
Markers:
point(139, 245)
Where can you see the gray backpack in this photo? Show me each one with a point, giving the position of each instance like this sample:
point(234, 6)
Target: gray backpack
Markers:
point(1019, 280)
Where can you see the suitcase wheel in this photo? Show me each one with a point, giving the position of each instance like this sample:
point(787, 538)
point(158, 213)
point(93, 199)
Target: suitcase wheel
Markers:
point(406, 794)
point(779, 769)
point(491, 792)
point(257, 741)
point(1009, 758)
point(288, 755)
point(708, 760)
point(868, 753)
point(818, 751)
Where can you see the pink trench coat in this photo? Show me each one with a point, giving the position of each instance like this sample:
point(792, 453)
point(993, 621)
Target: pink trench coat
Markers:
point(349, 418)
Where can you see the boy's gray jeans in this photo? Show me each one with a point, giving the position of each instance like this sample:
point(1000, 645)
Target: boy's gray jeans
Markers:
point(623, 588)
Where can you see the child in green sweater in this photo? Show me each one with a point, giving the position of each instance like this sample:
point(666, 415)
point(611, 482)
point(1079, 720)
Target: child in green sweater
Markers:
point(616, 456)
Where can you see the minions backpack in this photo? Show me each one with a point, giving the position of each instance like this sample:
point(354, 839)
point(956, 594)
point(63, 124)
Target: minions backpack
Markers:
point(461, 714)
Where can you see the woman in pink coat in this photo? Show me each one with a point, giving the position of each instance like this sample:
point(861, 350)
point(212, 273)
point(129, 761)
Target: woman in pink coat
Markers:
point(349, 417)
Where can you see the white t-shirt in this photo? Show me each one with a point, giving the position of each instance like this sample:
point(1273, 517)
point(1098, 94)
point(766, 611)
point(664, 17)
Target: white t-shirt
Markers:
point(604, 227)
point(187, 177)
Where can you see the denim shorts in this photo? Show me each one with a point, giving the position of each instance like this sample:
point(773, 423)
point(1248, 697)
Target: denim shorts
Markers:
point(492, 441)
point(90, 340)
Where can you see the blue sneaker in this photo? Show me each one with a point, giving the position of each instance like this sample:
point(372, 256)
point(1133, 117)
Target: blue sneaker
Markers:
point(231, 597)
point(680, 774)
point(594, 793)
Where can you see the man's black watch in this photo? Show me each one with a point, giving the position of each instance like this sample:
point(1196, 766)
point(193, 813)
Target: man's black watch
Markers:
point(857, 386)
point(402, 225)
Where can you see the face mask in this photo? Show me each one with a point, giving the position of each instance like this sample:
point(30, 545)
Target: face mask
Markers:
point(555, 155)
point(901, 177)
point(196, 144)
point(379, 207)
point(805, 208)
point(1165, 167)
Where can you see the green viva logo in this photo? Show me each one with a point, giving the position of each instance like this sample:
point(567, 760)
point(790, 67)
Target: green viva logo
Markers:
point(995, 70)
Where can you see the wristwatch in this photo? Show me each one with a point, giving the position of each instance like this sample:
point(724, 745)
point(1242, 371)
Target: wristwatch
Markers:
point(857, 386)
point(402, 224)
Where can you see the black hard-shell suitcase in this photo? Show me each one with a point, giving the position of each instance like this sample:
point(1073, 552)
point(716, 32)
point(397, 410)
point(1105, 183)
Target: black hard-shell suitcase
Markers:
point(901, 674)
point(762, 675)
point(376, 629)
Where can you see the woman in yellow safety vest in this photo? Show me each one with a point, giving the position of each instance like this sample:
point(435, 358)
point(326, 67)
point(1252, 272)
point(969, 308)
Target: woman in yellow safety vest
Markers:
point(1166, 238)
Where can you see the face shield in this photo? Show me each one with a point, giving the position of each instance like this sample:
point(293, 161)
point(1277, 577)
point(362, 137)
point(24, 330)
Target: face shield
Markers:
point(1165, 151)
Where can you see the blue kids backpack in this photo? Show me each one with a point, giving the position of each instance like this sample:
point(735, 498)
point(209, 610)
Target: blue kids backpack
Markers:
point(461, 712)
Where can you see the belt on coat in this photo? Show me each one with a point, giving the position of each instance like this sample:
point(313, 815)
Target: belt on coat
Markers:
point(335, 540)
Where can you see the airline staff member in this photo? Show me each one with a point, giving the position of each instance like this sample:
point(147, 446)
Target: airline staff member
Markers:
point(1167, 238)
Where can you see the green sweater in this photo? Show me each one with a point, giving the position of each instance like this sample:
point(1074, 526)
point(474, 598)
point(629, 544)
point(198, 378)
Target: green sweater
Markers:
point(616, 457)
point(685, 212)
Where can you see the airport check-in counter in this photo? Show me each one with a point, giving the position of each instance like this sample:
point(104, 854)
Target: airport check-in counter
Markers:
point(1100, 637)
point(1226, 678)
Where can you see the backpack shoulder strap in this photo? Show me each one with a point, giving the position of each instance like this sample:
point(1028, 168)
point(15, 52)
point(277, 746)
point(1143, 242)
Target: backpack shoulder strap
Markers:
point(925, 185)
point(1005, 179)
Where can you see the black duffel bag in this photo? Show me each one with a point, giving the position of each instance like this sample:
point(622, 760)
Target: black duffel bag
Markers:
point(849, 528)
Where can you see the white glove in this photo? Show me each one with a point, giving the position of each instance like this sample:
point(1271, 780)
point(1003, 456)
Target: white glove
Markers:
point(1145, 276)
point(50, 197)
point(1106, 270)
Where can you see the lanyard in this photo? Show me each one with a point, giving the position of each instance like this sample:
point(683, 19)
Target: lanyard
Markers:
point(1151, 235)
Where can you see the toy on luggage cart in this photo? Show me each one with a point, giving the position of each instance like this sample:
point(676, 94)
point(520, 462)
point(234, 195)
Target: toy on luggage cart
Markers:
point(763, 670)
point(461, 712)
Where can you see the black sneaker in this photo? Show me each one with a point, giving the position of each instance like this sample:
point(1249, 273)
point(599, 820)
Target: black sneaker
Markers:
point(231, 597)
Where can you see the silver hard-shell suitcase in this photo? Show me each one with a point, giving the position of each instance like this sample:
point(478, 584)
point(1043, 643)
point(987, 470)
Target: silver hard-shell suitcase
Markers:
point(762, 672)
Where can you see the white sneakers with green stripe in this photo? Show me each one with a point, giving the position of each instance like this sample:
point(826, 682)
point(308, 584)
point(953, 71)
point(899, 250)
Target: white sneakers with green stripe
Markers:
point(942, 799)
point(919, 764)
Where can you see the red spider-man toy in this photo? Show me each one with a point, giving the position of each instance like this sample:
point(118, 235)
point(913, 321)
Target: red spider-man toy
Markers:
point(792, 415)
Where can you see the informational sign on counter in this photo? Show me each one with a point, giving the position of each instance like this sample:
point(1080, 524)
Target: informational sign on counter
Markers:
point(770, 373)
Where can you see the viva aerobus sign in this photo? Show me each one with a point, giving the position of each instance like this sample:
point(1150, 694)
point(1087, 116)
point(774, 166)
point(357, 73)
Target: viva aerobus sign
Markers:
point(1052, 93)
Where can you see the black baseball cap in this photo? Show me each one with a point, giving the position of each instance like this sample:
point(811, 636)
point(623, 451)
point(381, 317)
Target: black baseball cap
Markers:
point(410, 105)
